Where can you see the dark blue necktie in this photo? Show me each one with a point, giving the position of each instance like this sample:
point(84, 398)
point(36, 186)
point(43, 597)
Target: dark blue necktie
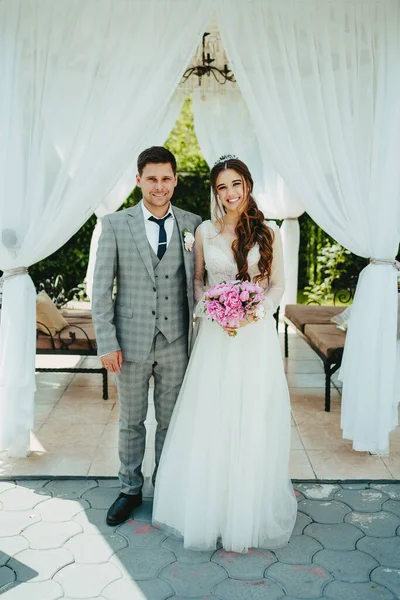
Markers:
point(162, 236)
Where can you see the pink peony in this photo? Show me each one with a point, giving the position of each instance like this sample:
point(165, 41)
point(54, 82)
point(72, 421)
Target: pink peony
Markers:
point(232, 298)
point(231, 302)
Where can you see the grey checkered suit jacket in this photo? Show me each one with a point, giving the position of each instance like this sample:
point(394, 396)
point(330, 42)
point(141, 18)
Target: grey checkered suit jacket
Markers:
point(128, 323)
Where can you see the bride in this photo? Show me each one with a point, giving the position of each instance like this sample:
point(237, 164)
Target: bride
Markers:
point(223, 474)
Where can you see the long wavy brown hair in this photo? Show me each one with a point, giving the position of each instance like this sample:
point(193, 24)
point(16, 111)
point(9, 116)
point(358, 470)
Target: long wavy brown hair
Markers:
point(251, 228)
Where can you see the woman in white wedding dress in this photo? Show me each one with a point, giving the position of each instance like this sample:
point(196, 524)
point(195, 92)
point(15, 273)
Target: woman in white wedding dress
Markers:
point(223, 474)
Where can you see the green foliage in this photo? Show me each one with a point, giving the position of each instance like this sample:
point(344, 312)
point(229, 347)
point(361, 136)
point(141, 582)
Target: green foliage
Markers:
point(312, 239)
point(70, 261)
point(192, 193)
point(55, 289)
point(184, 145)
point(325, 266)
point(193, 190)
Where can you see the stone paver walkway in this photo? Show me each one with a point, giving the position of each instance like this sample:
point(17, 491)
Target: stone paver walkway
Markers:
point(54, 543)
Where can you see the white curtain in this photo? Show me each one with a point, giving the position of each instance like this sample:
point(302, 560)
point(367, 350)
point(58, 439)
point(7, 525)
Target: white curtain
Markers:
point(322, 80)
point(158, 131)
point(80, 83)
point(224, 125)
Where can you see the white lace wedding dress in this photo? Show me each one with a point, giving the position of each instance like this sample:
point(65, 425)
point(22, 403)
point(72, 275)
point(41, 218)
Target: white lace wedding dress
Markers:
point(223, 473)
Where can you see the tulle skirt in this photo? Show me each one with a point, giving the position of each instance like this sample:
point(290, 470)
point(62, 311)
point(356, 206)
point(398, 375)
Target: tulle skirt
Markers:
point(223, 475)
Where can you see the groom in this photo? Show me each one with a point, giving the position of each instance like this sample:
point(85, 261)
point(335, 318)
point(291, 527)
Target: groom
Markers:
point(146, 330)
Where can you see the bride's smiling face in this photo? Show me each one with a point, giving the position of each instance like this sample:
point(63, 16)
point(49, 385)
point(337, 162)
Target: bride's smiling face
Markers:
point(231, 191)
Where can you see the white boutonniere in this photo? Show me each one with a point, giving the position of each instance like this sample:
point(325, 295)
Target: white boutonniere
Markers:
point(188, 240)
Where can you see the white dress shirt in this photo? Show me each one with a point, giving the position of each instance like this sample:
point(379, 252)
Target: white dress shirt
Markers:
point(153, 230)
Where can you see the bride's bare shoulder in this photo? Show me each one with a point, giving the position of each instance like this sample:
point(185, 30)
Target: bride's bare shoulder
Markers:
point(205, 224)
point(208, 229)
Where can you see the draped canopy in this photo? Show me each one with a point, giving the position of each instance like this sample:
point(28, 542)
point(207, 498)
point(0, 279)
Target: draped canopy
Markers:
point(81, 84)
point(86, 86)
point(322, 81)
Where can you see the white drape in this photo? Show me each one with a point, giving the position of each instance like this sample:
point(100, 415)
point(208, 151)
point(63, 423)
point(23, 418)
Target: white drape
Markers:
point(322, 80)
point(158, 131)
point(80, 82)
point(223, 125)
point(290, 231)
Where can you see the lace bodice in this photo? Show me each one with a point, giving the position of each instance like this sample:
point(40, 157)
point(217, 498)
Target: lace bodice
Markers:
point(213, 255)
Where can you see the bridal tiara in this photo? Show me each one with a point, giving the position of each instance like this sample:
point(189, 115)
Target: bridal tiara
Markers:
point(224, 158)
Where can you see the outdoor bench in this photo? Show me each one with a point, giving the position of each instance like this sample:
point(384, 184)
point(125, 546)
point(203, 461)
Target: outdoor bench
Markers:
point(313, 324)
point(76, 339)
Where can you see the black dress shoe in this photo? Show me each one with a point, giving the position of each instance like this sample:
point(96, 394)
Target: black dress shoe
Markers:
point(122, 508)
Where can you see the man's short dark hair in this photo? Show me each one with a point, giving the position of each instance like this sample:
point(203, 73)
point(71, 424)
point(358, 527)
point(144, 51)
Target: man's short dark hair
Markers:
point(155, 154)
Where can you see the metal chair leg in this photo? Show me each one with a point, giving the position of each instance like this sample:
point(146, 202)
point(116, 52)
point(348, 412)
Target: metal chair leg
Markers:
point(286, 341)
point(327, 387)
point(105, 384)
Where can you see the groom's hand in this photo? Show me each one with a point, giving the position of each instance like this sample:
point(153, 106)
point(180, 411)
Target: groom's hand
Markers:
point(113, 361)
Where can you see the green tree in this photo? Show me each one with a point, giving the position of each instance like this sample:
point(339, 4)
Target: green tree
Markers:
point(70, 261)
point(193, 190)
point(183, 143)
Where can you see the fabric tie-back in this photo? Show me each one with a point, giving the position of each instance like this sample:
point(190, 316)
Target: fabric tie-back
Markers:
point(11, 273)
point(385, 261)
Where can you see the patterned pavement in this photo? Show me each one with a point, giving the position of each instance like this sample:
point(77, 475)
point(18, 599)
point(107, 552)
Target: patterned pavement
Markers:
point(54, 543)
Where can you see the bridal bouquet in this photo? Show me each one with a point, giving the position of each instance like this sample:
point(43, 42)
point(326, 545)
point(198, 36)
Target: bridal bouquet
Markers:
point(231, 302)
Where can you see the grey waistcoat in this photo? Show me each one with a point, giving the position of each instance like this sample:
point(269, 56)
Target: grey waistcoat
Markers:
point(170, 281)
point(129, 323)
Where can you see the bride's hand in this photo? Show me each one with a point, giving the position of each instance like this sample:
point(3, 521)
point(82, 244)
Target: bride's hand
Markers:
point(230, 329)
point(243, 323)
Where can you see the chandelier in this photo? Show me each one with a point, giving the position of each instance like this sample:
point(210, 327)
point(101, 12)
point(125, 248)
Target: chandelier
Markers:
point(205, 67)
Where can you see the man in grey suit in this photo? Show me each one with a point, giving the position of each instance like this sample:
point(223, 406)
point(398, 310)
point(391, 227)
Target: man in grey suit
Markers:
point(146, 330)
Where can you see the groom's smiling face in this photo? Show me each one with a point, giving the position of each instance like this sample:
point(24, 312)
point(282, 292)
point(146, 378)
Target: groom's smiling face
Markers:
point(157, 182)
